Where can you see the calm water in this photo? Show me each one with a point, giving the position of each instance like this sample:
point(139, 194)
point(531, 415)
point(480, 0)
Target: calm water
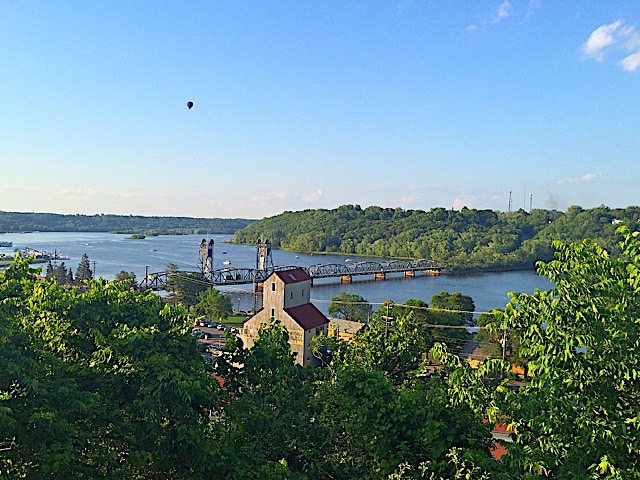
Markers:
point(111, 253)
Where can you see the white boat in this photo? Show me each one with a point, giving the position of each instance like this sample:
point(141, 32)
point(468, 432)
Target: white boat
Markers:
point(226, 262)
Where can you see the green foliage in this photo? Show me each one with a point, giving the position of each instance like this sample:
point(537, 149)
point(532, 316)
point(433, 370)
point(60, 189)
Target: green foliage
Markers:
point(392, 343)
point(84, 269)
point(465, 240)
point(185, 287)
point(579, 415)
point(455, 310)
point(123, 276)
point(213, 305)
point(109, 383)
point(267, 426)
point(350, 307)
point(102, 384)
point(379, 415)
point(134, 224)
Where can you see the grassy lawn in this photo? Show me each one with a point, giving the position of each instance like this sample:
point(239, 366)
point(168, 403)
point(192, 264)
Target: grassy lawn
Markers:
point(235, 320)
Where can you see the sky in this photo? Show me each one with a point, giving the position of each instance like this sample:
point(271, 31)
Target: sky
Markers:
point(316, 104)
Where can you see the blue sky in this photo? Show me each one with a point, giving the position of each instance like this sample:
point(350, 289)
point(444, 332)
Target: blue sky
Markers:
point(300, 104)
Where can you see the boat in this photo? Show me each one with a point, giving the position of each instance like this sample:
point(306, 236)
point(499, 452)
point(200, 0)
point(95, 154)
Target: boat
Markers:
point(226, 262)
point(6, 244)
point(41, 256)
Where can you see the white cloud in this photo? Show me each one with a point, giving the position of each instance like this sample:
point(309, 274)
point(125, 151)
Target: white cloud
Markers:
point(531, 8)
point(631, 62)
point(462, 201)
point(615, 35)
point(269, 197)
point(601, 38)
point(588, 177)
point(471, 28)
point(313, 196)
point(504, 10)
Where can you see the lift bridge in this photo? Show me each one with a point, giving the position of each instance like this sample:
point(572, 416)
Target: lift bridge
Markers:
point(264, 267)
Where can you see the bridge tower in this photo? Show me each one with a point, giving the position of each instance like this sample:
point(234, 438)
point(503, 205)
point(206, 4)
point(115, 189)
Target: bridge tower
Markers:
point(264, 261)
point(206, 257)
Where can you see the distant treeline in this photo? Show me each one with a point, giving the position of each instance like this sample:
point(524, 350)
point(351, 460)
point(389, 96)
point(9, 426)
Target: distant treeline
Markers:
point(132, 224)
point(464, 240)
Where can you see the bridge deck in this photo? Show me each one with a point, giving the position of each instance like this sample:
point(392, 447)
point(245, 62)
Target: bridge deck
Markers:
point(243, 276)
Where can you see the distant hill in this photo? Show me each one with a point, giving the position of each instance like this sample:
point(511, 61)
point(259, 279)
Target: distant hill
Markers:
point(132, 224)
point(464, 240)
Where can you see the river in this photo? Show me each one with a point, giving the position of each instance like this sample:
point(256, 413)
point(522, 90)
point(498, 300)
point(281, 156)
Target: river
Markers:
point(112, 253)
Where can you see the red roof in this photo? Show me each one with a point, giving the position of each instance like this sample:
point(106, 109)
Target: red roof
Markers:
point(293, 275)
point(307, 316)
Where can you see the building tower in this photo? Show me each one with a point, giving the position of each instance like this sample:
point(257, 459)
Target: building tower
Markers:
point(206, 257)
point(264, 261)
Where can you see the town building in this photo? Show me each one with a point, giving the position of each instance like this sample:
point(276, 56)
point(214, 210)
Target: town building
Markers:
point(286, 298)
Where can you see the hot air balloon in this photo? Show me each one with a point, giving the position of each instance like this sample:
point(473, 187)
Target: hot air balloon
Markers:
point(189, 105)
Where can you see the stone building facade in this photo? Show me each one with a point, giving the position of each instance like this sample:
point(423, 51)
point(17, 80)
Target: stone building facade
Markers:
point(286, 298)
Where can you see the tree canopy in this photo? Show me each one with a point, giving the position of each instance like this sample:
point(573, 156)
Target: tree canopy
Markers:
point(579, 415)
point(460, 240)
point(213, 304)
point(108, 382)
point(133, 224)
point(350, 306)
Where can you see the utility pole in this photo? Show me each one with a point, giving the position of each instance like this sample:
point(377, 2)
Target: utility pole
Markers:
point(503, 342)
point(510, 202)
point(146, 277)
point(94, 269)
point(386, 321)
point(530, 202)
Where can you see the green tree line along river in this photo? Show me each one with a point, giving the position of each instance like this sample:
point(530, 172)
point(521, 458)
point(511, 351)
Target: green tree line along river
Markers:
point(464, 240)
point(133, 224)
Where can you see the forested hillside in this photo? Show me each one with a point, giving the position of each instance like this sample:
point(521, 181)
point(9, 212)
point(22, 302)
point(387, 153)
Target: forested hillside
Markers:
point(467, 239)
point(53, 222)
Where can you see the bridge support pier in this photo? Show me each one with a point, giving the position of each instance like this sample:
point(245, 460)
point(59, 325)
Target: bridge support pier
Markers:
point(345, 278)
point(409, 273)
point(259, 288)
point(379, 276)
point(432, 272)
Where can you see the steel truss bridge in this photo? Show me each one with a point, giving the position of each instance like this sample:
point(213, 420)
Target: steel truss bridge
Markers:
point(345, 272)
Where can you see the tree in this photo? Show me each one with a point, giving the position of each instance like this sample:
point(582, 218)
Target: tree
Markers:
point(393, 343)
point(213, 304)
point(128, 278)
point(351, 307)
point(50, 272)
point(578, 416)
point(377, 414)
point(108, 383)
point(84, 269)
point(60, 273)
point(268, 423)
point(455, 310)
point(583, 339)
point(184, 287)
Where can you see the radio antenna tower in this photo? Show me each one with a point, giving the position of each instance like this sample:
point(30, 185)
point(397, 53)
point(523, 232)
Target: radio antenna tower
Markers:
point(510, 202)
